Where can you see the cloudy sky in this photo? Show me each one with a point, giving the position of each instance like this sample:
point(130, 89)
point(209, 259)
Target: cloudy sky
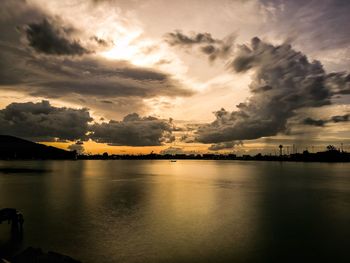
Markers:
point(132, 76)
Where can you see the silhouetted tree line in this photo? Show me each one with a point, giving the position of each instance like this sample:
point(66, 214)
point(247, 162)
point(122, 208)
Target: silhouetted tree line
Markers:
point(16, 148)
point(330, 155)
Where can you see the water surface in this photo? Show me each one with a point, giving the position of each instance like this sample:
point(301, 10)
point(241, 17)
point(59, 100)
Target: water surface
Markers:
point(184, 211)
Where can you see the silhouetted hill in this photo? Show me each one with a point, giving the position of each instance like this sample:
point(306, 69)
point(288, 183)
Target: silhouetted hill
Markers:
point(15, 148)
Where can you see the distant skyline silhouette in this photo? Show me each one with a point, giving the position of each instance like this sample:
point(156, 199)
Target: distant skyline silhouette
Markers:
point(12, 148)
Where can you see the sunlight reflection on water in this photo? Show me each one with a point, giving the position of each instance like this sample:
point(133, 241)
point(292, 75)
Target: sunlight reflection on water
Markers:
point(188, 211)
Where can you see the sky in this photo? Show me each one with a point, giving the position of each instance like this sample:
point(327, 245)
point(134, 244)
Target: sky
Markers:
point(194, 76)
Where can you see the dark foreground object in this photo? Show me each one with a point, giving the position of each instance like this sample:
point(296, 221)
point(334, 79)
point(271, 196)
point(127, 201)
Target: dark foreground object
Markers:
point(11, 215)
point(36, 255)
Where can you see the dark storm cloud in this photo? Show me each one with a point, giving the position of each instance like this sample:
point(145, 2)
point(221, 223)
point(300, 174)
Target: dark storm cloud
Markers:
point(339, 83)
point(341, 118)
point(321, 123)
point(284, 81)
point(224, 145)
point(133, 130)
point(212, 47)
point(321, 23)
point(101, 41)
point(187, 138)
point(49, 38)
point(55, 77)
point(44, 122)
point(178, 38)
point(36, 65)
point(101, 78)
point(313, 122)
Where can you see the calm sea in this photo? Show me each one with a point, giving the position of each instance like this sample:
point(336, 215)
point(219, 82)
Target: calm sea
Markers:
point(184, 211)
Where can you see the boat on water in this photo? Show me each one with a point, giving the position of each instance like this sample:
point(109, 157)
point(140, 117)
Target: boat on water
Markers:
point(173, 161)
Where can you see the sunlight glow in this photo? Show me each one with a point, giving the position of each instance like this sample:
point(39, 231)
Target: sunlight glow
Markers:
point(131, 47)
point(123, 48)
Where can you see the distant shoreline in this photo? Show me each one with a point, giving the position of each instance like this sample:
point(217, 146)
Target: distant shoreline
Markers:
point(177, 158)
point(13, 148)
point(326, 156)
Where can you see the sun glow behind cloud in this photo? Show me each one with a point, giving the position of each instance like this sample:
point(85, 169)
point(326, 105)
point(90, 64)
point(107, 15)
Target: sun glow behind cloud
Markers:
point(123, 48)
point(138, 50)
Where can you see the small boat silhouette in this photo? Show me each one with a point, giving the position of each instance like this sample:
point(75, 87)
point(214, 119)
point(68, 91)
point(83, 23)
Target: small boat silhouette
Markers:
point(173, 161)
